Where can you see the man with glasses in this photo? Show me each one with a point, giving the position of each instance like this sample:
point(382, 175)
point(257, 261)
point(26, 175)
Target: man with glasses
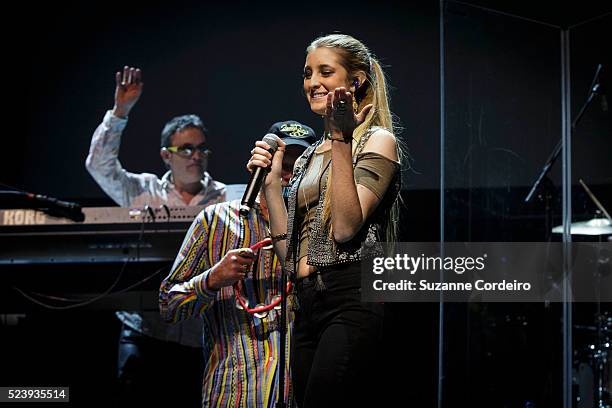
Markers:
point(183, 150)
point(144, 335)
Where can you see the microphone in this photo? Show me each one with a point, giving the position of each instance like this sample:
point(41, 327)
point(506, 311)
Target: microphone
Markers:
point(257, 177)
point(58, 208)
point(48, 205)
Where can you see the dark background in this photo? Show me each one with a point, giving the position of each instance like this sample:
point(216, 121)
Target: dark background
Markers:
point(238, 65)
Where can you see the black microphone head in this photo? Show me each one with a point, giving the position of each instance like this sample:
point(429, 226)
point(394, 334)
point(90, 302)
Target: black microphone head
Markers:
point(244, 210)
point(272, 140)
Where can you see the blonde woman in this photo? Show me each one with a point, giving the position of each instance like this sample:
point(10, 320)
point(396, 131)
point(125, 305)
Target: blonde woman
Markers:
point(343, 194)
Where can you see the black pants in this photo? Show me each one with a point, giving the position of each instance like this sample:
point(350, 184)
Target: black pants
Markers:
point(336, 341)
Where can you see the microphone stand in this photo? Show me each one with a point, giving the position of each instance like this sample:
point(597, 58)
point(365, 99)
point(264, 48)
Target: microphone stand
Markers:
point(595, 89)
point(49, 205)
point(280, 403)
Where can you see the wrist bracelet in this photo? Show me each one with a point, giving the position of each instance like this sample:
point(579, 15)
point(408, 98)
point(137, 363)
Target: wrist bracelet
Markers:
point(328, 135)
point(279, 237)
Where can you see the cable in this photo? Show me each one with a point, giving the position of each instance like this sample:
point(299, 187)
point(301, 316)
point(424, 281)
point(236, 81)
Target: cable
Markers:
point(120, 291)
point(87, 302)
point(108, 291)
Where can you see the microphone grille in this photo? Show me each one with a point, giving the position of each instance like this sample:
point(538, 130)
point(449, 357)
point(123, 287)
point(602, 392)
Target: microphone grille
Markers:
point(271, 140)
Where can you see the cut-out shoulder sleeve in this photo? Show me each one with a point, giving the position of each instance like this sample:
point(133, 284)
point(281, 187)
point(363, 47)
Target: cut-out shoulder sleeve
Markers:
point(375, 172)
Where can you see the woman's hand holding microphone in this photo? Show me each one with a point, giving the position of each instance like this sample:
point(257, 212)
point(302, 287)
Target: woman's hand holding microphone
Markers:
point(261, 157)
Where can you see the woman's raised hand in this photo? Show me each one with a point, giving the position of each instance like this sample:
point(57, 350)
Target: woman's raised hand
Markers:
point(339, 115)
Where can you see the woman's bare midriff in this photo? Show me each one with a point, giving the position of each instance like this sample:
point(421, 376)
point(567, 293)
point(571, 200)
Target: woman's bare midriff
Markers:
point(304, 269)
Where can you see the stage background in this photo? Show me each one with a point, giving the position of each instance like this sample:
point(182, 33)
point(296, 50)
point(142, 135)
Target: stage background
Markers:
point(238, 65)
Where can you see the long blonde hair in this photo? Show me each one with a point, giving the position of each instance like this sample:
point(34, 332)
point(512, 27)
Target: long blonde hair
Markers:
point(355, 56)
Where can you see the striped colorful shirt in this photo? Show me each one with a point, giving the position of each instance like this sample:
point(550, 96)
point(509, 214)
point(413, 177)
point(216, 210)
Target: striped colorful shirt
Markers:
point(241, 350)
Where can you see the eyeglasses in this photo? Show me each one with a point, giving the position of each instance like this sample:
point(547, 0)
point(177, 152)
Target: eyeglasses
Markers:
point(188, 150)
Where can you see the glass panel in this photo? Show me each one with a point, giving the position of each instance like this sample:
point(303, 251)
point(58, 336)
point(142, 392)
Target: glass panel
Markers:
point(502, 113)
point(591, 165)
